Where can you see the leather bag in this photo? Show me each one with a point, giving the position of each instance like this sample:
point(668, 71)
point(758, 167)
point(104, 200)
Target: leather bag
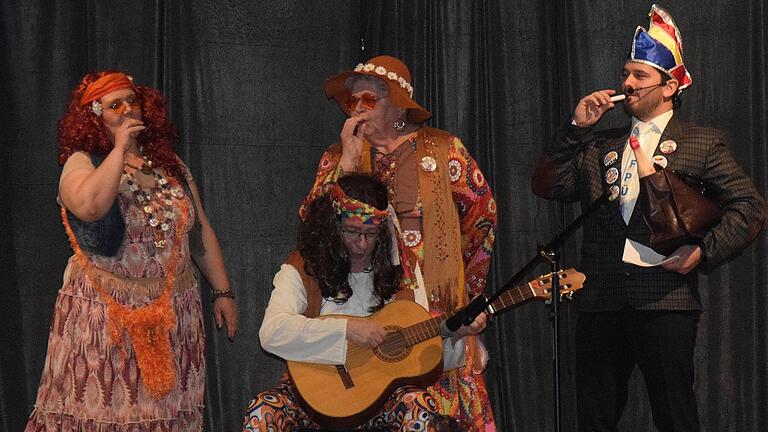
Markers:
point(676, 213)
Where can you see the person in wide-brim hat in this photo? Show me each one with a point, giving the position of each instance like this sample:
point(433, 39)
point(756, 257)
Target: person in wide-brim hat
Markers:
point(393, 72)
point(443, 206)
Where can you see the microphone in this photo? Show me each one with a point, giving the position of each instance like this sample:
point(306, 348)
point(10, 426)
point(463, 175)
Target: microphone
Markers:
point(630, 91)
point(466, 315)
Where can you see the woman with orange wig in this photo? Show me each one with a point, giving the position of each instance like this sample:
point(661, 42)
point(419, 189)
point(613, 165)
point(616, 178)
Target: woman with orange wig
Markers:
point(126, 347)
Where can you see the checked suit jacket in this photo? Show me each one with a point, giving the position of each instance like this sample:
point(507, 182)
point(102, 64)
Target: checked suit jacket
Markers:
point(573, 168)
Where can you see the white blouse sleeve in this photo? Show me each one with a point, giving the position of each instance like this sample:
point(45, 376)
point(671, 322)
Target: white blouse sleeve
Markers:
point(292, 336)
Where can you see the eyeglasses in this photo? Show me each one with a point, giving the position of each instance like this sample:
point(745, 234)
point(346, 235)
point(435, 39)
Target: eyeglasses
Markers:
point(354, 235)
point(119, 105)
point(368, 100)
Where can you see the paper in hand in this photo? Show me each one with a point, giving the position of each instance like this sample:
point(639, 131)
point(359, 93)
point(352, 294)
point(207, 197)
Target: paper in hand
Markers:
point(643, 256)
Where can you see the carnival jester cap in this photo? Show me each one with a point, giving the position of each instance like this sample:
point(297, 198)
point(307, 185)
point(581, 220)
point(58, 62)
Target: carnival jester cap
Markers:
point(661, 47)
point(351, 208)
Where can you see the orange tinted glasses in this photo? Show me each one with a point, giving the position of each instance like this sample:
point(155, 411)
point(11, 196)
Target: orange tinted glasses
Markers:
point(118, 105)
point(368, 100)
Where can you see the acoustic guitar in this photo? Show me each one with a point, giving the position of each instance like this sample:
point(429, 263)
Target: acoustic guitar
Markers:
point(347, 395)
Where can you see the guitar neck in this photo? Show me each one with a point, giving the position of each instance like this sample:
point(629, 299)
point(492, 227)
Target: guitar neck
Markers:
point(512, 297)
point(422, 331)
point(430, 328)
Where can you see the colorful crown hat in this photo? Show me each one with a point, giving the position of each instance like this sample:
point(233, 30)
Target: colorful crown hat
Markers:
point(661, 47)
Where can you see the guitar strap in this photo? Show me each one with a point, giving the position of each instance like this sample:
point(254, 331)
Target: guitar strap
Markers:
point(314, 295)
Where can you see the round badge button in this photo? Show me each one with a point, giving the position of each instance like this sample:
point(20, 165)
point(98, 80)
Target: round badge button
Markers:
point(660, 161)
point(428, 163)
point(668, 146)
point(613, 192)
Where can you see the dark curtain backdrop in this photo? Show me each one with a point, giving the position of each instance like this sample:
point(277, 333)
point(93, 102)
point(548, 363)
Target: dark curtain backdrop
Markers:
point(244, 83)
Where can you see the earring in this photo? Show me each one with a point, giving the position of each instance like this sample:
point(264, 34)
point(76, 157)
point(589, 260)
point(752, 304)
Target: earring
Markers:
point(399, 125)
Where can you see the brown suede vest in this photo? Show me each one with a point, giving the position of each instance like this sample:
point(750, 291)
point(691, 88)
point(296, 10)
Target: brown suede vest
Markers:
point(314, 295)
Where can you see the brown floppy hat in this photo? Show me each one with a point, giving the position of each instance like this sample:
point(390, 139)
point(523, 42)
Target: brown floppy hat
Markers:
point(394, 72)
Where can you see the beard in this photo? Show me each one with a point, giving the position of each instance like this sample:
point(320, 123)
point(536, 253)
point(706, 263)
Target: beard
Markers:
point(643, 106)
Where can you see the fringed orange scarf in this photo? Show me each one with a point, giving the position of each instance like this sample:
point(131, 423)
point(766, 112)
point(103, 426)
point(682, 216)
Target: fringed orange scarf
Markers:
point(443, 267)
point(443, 263)
point(149, 326)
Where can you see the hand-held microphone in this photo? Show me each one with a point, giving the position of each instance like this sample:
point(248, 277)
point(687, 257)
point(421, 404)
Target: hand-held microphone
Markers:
point(630, 91)
point(618, 97)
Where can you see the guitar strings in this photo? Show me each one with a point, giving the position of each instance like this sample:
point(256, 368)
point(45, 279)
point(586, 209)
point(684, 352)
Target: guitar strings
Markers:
point(399, 339)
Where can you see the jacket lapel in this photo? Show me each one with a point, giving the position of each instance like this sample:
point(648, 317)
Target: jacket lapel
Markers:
point(669, 137)
point(611, 163)
point(613, 148)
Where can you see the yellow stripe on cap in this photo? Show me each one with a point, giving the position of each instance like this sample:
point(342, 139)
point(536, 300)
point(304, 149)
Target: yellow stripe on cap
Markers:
point(666, 40)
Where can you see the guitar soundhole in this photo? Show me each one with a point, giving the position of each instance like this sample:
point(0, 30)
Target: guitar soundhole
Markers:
point(394, 348)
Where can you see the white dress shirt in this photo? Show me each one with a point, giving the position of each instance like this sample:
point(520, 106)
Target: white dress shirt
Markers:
point(648, 134)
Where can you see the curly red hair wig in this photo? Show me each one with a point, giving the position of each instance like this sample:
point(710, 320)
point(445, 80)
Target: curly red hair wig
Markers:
point(82, 130)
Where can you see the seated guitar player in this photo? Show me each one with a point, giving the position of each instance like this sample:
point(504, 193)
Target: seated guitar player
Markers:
point(346, 264)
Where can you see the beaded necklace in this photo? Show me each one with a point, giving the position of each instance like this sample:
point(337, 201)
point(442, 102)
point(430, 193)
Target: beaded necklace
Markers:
point(157, 206)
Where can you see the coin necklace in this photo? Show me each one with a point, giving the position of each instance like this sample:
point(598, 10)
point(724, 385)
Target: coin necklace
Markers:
point(160, 215)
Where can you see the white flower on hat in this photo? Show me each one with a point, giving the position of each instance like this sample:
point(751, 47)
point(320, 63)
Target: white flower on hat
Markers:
point(404, 84)
point(97, 108)
point(392, 76)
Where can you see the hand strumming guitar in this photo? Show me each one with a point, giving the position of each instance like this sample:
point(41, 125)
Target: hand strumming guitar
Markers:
point(365, 333)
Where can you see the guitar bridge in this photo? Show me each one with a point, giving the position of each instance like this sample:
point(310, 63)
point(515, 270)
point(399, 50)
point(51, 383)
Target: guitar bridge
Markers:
point(346, 378)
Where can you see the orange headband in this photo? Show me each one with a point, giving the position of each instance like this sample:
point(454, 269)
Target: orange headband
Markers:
point(105, 85)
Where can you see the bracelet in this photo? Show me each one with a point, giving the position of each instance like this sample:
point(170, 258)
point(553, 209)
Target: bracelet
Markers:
point(219, 294)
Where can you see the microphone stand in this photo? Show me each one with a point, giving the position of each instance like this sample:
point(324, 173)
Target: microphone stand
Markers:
point(546, 254)
point(553, 257)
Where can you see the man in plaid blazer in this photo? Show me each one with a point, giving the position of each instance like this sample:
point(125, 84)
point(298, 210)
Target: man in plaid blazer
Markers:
point(630, 314)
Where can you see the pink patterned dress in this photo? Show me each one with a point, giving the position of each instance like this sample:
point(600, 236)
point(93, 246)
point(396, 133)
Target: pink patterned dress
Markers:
point(88, 384)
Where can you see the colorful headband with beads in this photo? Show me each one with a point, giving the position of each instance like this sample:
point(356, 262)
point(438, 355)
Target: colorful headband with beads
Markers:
point(351, 208)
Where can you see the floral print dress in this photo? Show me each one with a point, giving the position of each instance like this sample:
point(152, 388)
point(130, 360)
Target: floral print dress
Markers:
point(90, 384)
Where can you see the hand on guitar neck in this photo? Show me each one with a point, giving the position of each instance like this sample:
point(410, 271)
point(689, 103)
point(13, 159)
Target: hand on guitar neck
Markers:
point(477, 327)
